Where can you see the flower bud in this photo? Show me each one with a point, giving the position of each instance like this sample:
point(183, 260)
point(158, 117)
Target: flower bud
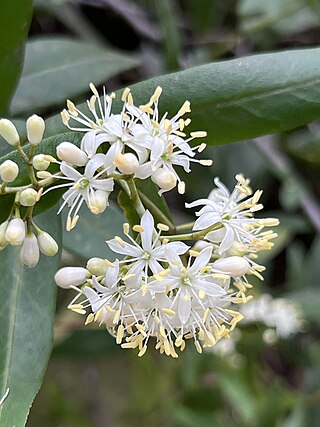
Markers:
point(29, 254)
point(70, 276)
point(97, 266)
point(126, 163)
point(9, 171)
point(48, 246)
point(164, 179)
point(99, 202)
point(71, 154)
point(9, 132)
point(41, 162)
point(3, 228)
point(35, 129)
point(15, 232)
point(235, 266)
point(28, 197)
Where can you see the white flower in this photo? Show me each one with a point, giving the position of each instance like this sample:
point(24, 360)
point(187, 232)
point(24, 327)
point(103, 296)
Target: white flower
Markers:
point(70, 153)
point(148, 254)
point(235, 266)
point(84, 187)
point(278, 313)
point(28, 197)
point(231, 217)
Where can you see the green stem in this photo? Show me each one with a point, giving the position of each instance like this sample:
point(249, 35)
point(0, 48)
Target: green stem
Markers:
point(196, 235)
point(28, 162)
point(134, 197)
point(187, 226)
point(156, 211)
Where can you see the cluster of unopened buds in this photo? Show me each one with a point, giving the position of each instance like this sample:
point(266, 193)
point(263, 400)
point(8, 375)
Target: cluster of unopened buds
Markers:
point(20, 229)
point(158, 286)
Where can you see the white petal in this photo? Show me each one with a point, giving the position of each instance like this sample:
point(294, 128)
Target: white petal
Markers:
point(147, 223)
point(106, 184)
point(70, 172)
point(227, 240)
point(184, 307)
point(128, 249)
point(201, 260)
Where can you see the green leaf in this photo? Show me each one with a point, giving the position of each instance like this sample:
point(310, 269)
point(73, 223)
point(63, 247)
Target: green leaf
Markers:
point(15, 18)
point(239, 394)
point(239, 99)
point(88, 238)
point(57, 68)
point(26, 316)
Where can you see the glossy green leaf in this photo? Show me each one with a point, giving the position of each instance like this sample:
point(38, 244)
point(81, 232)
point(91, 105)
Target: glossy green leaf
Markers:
point(239, 99)
point(57, 68)
point(15, 17)
point(26, 316)
point(88, 238)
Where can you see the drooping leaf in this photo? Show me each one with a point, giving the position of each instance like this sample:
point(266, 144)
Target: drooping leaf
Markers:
point(15, 18)
point(239, 99)
point(26, 316)
point(57, 68)
point(88, 238)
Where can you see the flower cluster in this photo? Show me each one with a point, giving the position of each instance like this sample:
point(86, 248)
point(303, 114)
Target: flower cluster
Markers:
point(135, 143)
point(167, 290)
point(19, 229)
point(281, 317)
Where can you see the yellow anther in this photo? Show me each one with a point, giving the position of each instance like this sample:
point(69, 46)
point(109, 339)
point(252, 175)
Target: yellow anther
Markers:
point(156, 95)
point(187, 122)
point(165, 241)
point(39, 194)
point(198, 347)
point(162, 227)
point(194, 253)
point(138, 228)
point(125, 94)
point(184, 109)
point(205, 316)
point(201, 147)
point(65, 117)
point(142, 351)
point(168, 311)
point(94, 90)
point(120, 334)
point(202, 294)
point(89, 319)
point(181, 124)
point(198, 134)
point(205, 162)
point(181, 187)
point(126, 228)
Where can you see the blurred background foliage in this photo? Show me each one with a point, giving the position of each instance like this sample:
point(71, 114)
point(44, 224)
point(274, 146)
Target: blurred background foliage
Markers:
point(90, 382)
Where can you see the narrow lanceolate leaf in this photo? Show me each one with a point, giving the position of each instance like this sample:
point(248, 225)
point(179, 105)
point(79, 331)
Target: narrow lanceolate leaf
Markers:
point(58, 68)
point(15, 18)
point(26, 318)
point(242, 98)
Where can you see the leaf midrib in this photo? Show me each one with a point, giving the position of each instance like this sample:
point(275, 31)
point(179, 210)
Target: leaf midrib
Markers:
point(71, 65)
point(12, 319)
